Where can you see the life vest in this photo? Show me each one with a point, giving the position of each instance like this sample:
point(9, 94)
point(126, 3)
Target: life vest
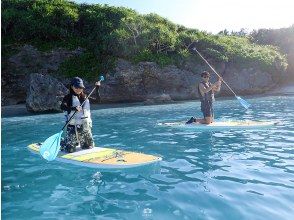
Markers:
point(82, 116)
point(208, 96)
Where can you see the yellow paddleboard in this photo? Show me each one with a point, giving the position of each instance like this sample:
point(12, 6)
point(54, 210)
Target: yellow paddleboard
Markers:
point(104, 158)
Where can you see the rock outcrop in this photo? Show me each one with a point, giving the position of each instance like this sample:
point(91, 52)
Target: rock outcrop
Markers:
point(247, 81)
point(15, 78)
point(30, 60)
point(45, 93)
point(148, 81)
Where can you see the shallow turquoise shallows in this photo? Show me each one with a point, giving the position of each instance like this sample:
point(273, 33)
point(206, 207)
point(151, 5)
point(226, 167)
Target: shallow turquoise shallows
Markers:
point(204, 174)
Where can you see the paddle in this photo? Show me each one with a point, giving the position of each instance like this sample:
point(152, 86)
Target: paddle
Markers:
point(51, 146)
point(244, 103)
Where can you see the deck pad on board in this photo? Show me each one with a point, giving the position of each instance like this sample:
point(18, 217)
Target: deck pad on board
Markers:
point(102, 157)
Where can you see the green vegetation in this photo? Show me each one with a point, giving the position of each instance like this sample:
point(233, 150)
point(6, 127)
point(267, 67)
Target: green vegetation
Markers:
point(282, 38)
point(108, 33)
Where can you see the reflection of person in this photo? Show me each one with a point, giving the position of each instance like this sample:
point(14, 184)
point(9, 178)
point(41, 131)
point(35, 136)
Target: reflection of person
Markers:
point(206, 92)
point(79, 128)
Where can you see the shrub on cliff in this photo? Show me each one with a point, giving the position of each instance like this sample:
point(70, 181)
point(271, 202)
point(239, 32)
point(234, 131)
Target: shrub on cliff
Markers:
point(109, 32)
point(282, 38)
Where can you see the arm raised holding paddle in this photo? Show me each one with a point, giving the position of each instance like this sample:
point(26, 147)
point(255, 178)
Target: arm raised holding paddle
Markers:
point(244, 103)
point(217, 85)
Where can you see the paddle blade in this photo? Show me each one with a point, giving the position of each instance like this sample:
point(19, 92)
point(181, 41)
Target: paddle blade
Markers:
point(51, 146)
point(244, 103)
point(101, 78)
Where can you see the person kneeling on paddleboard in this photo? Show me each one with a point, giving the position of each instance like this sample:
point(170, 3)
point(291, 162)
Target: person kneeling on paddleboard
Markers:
point(78, 131)
point(206, 92)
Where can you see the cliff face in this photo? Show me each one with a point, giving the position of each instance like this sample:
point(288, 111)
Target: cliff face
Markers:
point(16, 75)
point(145, 81)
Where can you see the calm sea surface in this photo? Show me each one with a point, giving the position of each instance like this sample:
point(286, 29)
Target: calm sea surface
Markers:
point(204, 174)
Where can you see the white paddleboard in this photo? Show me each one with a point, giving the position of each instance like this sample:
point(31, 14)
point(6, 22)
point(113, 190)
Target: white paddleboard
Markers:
point(221, 125)
point(104, 158)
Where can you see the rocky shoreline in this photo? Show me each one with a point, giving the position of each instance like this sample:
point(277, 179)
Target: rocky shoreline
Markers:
point(32, 79)
point(21, 109)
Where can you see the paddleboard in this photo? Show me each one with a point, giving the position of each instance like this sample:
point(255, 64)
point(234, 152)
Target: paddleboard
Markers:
point(103, 158)
point(222, 125)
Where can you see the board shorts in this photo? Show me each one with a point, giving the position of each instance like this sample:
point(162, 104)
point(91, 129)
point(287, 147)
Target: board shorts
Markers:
point(71, 140)
point(206, 108)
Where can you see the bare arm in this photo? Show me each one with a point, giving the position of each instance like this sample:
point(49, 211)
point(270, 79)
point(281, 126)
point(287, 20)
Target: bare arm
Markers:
point(217, 88)
point(217, 85)
point(97, 92)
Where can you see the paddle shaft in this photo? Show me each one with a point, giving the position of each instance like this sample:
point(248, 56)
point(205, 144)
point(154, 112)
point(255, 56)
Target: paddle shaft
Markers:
point(214, 71)
point(77, 110)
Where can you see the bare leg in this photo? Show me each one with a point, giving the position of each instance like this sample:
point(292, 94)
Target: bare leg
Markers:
point(200, 120)
point(206, 120)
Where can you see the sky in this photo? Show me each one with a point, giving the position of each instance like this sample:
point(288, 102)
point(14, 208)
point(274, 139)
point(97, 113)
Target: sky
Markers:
point(215, 15)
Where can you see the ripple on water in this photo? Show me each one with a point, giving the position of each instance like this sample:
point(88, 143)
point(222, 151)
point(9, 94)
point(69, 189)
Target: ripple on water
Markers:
point(223, 174)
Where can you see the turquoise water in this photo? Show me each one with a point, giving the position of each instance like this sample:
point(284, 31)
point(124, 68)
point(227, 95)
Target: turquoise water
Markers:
point(203, 175)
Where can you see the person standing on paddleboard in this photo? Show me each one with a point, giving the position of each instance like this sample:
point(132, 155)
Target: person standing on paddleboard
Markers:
point(206, 92)
point(79, 129)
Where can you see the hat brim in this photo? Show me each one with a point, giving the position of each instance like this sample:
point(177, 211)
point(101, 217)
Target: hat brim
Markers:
point(79, 86)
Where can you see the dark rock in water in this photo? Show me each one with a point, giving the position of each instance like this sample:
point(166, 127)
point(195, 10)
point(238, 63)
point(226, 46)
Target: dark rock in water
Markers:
point(45, 93)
